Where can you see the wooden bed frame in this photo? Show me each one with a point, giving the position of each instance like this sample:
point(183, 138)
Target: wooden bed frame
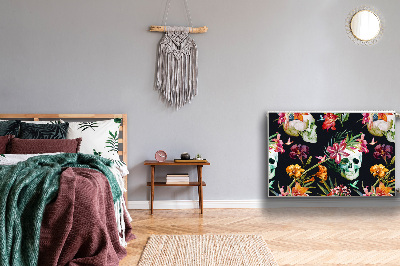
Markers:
point(123, 138)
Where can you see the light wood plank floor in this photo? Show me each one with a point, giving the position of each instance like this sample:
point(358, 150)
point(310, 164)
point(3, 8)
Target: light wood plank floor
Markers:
point(296, 236)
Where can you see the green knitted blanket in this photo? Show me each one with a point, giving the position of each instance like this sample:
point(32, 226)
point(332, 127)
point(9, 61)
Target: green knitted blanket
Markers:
point(25, 190)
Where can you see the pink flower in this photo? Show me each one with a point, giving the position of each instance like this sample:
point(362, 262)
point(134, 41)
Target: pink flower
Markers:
point(282, 118)
point(337, 151)
point(340, 191)
point(362, 146)
point(283, 193)
point(368, 119)
point(321, 159)
point(278, 146)
point(368, 194)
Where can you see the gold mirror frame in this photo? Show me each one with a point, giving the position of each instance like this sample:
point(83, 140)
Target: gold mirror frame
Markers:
point(350, 32)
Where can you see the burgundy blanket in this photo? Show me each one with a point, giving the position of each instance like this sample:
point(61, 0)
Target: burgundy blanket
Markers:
point(79, 227)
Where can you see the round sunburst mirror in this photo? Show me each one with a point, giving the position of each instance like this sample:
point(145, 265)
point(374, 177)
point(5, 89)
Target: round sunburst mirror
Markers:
point(364, 26)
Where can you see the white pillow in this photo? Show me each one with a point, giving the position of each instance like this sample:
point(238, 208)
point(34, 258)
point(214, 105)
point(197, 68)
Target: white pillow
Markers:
point(98, 137)
point(10, 159)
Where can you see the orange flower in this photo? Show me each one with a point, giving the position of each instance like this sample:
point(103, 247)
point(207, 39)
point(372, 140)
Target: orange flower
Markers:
point(382, 190)
point(378, 170)
point(299, 190)
point(322, 173)
point(382, 116)
point(298, 116)
point(310, 180)
point(294, 170)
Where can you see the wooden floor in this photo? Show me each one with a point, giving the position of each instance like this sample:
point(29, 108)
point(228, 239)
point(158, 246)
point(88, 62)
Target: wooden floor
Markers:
point(296, 236)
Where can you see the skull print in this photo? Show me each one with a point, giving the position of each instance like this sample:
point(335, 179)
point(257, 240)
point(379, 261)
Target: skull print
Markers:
point(306, 128)
point(350, 165)
point(273, 162)
point(380, 127)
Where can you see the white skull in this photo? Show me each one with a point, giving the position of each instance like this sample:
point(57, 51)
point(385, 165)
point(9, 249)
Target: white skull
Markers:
point(310, 133)
point(380, 127)
point(306, 128)
point(295, 127)
point(350, 165)
point(273, 162)
point(390, 134)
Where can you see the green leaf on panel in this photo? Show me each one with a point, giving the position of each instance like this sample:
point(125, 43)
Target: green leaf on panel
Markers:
point(358, 192)
point(323, 189)
point(270, 184)
point(354, 185)
point(276, 194)
point(345, 117)
point(330, 182)
point(308, 184)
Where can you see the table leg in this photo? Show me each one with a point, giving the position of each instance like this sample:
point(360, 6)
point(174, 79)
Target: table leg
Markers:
point(152, 187)
point(200, 180)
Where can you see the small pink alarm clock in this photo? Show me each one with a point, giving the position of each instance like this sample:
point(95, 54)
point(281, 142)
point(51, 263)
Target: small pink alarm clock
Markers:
point(161, 156)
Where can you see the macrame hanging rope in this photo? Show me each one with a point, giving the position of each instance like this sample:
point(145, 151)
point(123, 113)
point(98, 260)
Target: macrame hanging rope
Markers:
point(166, 12)
point(177, 69)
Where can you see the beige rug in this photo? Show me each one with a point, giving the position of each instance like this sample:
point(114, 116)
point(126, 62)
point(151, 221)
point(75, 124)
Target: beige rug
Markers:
point(206, 250)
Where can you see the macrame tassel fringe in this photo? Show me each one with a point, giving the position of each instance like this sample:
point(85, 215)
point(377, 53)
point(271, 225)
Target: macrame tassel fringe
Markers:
point(177, 68)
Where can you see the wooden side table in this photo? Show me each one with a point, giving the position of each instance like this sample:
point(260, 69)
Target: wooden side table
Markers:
point(199, 184)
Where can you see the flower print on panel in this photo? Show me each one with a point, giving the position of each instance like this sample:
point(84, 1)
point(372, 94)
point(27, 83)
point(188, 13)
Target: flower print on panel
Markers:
point(353, 155)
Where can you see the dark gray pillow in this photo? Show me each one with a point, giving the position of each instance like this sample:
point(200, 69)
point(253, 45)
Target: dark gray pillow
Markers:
point(43, 131)
point(10, 127)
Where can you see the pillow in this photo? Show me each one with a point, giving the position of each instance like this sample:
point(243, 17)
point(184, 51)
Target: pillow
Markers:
point(98, 138)
point(3, 143)
point(32, 146)
point(10, 127)
point(43, 131)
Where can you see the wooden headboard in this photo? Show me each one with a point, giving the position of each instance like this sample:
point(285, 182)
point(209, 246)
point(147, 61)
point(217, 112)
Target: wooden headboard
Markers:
point(123, 138)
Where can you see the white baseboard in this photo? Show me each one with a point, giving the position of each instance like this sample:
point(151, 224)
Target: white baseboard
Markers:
point(273, 203)
point(191, 204)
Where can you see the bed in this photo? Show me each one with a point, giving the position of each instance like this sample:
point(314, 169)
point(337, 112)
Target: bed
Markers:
point(64, 205)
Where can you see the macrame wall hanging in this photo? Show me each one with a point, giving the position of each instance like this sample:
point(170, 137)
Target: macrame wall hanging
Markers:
point(176, 77)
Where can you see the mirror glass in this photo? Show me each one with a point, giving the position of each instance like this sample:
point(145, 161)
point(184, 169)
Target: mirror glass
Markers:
point(365, 25)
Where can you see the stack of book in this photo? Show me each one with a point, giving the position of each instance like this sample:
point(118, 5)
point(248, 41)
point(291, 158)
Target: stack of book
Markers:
point(177, 178)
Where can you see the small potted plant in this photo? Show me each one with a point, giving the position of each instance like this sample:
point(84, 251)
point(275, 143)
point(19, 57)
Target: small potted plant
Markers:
point(198, 157)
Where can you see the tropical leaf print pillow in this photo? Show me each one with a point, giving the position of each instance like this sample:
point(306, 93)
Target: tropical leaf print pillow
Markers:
point(98, 137)
point(43, 131)
point(10, 127)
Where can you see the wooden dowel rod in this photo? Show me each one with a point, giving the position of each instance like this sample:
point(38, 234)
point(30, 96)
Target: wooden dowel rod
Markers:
point(191, 30)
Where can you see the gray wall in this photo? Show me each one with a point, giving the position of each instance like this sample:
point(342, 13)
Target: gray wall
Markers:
point(99, 57)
